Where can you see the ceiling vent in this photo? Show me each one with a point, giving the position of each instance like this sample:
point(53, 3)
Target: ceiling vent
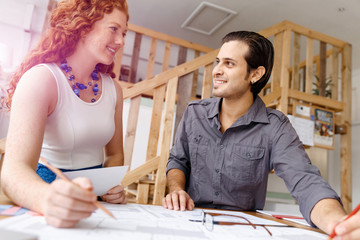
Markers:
point(207, 18)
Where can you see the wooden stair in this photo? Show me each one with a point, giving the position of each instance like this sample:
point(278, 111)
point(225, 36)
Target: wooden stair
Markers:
point(141, 191)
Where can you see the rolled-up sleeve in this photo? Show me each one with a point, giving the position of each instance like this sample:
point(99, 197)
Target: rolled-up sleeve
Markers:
point(292, 164)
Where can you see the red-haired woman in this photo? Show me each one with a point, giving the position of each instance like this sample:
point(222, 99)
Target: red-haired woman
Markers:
point(66, 108)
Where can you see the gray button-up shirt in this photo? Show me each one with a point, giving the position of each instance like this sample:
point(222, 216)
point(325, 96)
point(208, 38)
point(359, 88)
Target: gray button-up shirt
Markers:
point(230, 170)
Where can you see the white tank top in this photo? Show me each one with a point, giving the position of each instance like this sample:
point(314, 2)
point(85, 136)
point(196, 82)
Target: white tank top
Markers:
point(77, 131)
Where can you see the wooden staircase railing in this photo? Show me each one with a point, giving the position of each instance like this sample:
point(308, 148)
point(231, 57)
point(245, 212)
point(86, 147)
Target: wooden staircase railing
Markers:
point(292, 80)
point(157, 93)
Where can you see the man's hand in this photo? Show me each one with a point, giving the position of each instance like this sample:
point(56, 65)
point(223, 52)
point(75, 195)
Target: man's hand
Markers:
point(115, 195)
point(178, 200)
point(348, 229)
point(328, 214)
point(68, 202)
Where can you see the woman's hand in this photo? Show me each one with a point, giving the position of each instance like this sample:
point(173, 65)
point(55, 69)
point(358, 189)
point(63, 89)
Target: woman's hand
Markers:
point(68, 202)
point(115, 195)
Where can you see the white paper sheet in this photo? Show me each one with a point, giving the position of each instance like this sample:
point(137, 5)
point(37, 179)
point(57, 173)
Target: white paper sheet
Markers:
point(103, 179)
point(304, 129)
point(150, 222)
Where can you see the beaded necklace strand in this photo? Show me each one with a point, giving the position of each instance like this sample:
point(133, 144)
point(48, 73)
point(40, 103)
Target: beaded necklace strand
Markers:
point(77, 87)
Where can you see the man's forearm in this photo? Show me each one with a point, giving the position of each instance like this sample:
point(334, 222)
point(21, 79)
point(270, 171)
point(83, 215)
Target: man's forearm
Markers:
point(325, 213)
point(176, 180)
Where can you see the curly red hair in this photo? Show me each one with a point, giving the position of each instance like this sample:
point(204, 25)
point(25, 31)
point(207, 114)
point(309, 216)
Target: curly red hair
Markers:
point(69, 21)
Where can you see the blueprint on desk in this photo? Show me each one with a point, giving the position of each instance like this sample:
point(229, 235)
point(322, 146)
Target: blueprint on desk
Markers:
point(148, 222)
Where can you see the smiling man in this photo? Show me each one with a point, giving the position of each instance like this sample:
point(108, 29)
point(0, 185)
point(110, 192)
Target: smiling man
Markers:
point(225, 146)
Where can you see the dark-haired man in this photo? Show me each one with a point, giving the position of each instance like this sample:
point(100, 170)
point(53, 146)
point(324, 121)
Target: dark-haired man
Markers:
point(226, 146)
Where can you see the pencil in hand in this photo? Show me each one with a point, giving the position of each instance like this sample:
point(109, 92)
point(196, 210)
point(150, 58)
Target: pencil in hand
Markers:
point(64, 177)
point(353, 212)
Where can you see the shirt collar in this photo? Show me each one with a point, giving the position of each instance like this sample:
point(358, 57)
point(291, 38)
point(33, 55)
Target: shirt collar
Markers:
point(214, 111)
point(256, 113)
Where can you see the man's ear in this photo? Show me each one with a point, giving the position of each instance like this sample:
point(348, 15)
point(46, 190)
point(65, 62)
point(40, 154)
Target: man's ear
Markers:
point(257, 74)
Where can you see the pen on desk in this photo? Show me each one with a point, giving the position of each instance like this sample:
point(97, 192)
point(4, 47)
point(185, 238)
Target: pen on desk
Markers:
point(353, 212)
point(246, 224)
point(64, 177)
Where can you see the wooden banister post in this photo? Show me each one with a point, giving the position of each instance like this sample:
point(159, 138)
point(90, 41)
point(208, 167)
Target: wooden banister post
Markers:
point(322, 69)
point(284, 72)
point(195, 77)
point(184, 89)
point(207, 81)
point(278, 45)
point(309, 65)
point(346, 170)
point(158, 100)
point(134, 106)
point(160, 181)
point(334, 73)
point(296, 63)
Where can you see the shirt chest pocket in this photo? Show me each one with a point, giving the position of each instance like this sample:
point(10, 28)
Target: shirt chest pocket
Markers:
point(199, 148)
point(247, 164)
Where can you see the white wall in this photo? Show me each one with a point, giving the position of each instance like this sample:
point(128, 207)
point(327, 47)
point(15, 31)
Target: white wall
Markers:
point(21, 22)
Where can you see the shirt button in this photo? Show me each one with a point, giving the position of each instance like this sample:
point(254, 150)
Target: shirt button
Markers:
point(217, 193)
point(248, 155)
point(217, 170)
point(221, 146)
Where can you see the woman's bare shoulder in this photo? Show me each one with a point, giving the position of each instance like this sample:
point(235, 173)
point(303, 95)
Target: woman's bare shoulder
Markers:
point(40, 72)
point(39, 84)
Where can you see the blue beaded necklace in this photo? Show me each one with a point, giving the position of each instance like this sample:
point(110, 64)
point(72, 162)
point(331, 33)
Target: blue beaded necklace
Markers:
point(77, 87)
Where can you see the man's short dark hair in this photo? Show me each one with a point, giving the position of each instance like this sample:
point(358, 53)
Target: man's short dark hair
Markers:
point(261, 53)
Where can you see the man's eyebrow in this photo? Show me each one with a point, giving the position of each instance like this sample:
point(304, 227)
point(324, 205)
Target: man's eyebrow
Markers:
point(226, 59)
point(230, 59)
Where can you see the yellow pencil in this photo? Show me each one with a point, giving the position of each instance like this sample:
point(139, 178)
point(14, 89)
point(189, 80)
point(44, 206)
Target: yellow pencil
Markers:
point(64, 177)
